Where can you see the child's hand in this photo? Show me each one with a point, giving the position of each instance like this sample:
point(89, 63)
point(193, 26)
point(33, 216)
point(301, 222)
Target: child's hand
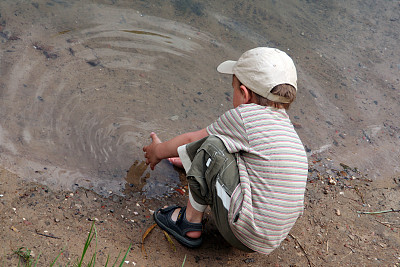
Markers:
point(151, 151)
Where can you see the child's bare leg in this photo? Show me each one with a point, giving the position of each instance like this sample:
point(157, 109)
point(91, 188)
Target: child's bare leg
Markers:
point(177, 162)
point(193, 216)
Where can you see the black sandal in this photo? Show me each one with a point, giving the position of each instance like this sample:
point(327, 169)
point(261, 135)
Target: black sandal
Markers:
point(179, 228)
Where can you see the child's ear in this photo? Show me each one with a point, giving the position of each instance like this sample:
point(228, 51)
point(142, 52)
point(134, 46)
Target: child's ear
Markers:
point(246, 93)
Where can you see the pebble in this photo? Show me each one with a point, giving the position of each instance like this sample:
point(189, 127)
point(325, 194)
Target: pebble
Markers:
point(174, 118)
point(249, 260)
point(337, 211)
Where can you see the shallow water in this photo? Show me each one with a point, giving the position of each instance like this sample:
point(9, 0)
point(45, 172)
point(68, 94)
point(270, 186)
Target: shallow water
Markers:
point(83, 83)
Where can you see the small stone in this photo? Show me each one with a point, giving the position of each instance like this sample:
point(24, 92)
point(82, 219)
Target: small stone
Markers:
point(332, 181)
point(337, 211)
point(249, 260)
point(93, 63)
point(174, 118)
point(56, 220)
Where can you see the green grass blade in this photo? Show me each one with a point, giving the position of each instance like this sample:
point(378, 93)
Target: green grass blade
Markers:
point(117, 259)
point(126, 254)
point(108, 257)
point(95, 248)
point(37, 259)
point(87, 244)
point(51, 265)
point(184, 260)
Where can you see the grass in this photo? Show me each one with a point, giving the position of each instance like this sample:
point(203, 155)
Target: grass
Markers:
point(27, 260)
point(25, 257)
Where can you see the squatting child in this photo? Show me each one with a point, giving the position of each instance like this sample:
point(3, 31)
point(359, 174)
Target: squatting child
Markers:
point(249, 166)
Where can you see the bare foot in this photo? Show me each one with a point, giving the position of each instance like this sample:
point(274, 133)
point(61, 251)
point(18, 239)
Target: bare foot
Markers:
point(177, 162)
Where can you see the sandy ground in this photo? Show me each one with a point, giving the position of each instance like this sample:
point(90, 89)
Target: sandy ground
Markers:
point(330, 233)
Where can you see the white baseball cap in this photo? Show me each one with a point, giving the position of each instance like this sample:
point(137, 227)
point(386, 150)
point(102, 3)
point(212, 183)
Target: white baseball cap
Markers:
point(261, 69)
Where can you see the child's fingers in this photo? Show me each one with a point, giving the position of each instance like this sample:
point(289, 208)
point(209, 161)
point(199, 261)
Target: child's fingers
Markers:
point(155, 138)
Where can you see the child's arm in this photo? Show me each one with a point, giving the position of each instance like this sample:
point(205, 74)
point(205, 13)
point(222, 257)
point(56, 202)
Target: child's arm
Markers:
point(158, 150)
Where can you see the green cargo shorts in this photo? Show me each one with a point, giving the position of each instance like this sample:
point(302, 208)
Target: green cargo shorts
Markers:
point(212, 175)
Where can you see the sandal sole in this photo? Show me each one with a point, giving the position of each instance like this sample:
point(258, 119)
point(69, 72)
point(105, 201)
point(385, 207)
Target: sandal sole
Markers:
point(186, 241)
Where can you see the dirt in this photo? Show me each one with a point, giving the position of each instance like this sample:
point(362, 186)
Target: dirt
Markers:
point(331, 231)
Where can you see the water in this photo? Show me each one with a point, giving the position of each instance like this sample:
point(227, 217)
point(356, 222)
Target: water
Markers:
point(83, 83)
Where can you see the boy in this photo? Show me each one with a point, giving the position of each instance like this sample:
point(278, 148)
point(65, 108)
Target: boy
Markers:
point(249, 165)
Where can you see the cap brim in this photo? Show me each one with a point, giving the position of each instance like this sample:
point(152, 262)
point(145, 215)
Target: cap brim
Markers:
point(226, 67)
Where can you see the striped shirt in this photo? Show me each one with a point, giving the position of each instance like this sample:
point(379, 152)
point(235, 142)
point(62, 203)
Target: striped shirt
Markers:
point(273, 172)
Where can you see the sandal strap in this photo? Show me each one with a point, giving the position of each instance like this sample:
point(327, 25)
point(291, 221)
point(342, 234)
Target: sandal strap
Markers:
point(170, 208)
point(185, 225)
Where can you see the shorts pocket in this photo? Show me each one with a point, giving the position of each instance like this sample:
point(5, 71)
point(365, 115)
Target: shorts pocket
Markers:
point(236, 204)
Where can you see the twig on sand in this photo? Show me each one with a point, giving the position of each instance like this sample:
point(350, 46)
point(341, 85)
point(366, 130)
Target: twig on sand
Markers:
point(302, 249)
point(377, 212)
point(387, 224)
point(359, 194)
point(144, 237)
point(51, 236)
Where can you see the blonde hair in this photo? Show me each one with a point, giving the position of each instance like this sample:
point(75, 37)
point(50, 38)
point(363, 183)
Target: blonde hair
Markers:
point(284, 90)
